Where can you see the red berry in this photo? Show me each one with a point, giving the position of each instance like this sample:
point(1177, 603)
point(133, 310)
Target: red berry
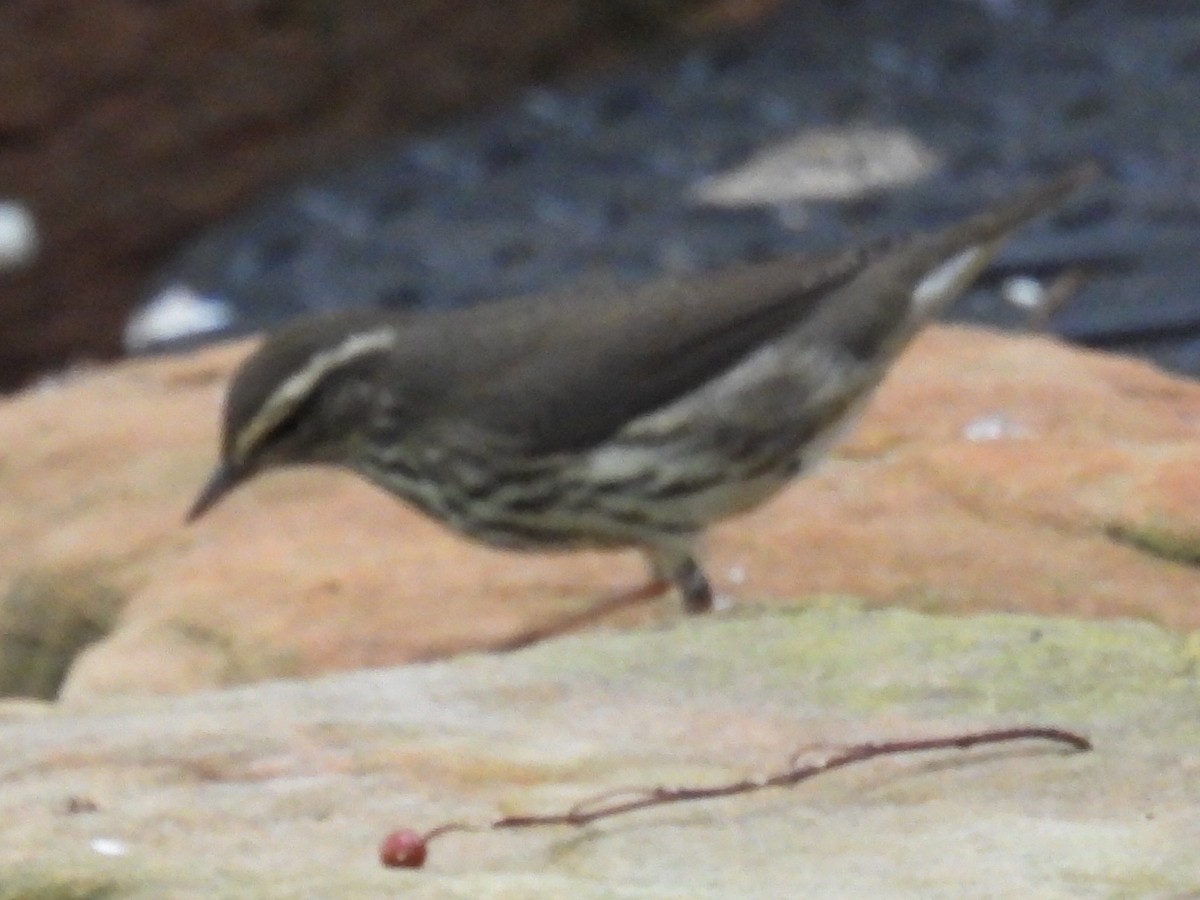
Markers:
point(403, 849)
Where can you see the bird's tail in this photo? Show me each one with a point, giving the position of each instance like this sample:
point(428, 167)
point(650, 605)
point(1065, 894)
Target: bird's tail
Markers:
point(914, 280)
point(959, 252)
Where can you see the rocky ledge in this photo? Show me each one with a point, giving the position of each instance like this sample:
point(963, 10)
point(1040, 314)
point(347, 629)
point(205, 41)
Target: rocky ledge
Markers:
point(285, 789)
point(990, 473)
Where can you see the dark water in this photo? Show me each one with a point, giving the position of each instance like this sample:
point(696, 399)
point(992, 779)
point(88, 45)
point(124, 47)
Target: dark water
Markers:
point(594, 181)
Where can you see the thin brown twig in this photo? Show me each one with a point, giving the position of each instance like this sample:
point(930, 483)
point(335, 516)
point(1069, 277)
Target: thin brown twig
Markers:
point(406, 848)
point(597, 611)
point(566, 624)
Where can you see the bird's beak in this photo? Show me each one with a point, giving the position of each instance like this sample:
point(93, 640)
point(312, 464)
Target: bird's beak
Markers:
point(223, 480)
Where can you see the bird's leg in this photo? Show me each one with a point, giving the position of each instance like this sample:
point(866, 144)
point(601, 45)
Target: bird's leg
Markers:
point(678, 568)
point(693, 588)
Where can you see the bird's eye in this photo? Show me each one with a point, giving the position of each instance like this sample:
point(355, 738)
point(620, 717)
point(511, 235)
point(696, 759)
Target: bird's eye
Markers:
point(282, 432)
point(286, 432)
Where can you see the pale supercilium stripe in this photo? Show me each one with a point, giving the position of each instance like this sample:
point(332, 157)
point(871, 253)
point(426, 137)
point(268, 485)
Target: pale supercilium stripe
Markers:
point(296, 388)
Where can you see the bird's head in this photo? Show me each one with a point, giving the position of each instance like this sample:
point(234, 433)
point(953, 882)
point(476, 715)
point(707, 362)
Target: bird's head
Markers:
point(300, 398)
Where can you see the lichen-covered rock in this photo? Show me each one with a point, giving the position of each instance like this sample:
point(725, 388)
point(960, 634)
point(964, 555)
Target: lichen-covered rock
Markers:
point(286, 789)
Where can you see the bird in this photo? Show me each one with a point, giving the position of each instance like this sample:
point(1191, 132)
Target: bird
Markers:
point(608, 417)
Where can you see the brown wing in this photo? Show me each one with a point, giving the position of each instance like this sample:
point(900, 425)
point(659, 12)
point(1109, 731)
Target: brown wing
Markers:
point(561, 373)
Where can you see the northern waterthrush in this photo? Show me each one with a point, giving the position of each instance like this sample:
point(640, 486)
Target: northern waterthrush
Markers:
point(622, 418)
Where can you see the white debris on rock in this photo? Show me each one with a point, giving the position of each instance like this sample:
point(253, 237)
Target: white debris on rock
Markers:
point(109, 846)
point(1024, 291)
point(18, 235)
point(994, 427)
point(175, 313)
point(822, 164)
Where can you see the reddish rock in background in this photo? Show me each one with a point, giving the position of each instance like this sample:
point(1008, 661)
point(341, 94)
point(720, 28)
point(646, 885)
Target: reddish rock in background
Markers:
point(125, 126)
point(990, 473)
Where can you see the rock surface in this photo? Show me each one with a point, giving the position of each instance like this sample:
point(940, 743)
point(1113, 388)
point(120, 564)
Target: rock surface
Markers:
point(285, 789)
point(990, 473)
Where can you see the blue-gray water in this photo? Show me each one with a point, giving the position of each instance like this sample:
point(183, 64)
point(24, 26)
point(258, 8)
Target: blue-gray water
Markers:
point(594, 181)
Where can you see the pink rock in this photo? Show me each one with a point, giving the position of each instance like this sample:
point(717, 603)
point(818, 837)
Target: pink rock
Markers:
point(990, 473)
